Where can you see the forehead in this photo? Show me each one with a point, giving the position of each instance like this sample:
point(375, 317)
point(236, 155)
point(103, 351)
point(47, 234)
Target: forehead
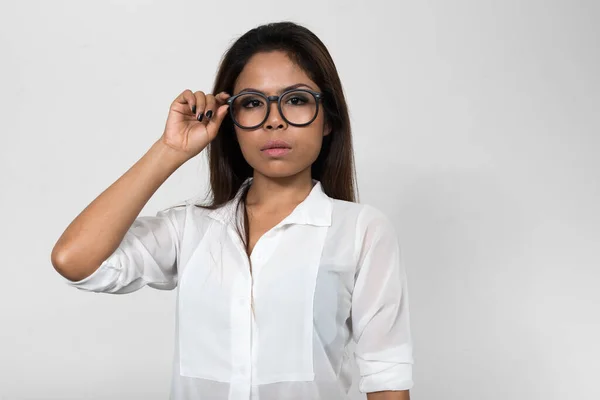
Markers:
point(270, 72)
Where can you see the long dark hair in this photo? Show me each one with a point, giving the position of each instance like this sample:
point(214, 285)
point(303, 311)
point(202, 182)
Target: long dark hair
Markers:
point(334, 167)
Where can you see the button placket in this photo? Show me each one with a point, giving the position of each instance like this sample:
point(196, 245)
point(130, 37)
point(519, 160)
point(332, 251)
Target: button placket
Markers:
point(241, 325)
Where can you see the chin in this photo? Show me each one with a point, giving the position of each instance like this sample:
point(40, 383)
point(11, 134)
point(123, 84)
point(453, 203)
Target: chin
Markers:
point(281, 171)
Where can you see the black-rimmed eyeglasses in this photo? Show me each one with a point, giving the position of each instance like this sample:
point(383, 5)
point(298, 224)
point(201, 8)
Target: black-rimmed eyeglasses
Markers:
point(298, 107)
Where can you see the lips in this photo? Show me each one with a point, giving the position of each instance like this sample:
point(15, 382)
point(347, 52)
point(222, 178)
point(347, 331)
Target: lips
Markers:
point(276, 144)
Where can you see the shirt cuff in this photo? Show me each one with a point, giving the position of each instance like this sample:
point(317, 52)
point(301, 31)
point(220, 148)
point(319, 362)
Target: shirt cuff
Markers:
point(398, 377)
point(100, 280)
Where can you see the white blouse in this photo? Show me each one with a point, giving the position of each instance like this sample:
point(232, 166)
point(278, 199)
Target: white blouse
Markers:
point(328, 273)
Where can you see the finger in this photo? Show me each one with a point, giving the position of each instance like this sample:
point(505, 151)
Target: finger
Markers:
point(222, 96)
point(215, 122)
point(200, 104)
point(185, 101)
point(209, 108)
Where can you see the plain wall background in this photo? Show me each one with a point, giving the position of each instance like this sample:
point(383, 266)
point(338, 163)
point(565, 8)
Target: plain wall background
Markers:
point(476, 128)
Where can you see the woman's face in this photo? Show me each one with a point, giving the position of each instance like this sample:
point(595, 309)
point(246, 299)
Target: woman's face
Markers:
point(270, 73)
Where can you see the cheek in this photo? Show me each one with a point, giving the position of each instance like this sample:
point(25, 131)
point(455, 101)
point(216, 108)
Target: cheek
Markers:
point(311, 144)
point(248, 144)
point(307, 149)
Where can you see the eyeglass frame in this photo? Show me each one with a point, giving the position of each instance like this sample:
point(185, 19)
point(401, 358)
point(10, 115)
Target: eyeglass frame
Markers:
point(270, 99)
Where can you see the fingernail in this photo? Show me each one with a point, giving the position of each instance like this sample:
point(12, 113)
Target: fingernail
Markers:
point(194, 109)
point(208, 114)
point(200, 117)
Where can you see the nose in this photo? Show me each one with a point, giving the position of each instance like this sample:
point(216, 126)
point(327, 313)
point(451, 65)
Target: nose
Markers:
point(274, 119)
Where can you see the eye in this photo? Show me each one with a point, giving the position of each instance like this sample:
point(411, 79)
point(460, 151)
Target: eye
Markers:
point(251, 102)
point(297, 100)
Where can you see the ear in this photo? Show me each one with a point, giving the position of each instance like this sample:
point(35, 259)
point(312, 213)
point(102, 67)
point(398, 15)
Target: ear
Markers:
point(326, 129)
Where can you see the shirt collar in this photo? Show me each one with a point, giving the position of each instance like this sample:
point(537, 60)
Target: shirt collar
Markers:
point(315, 209)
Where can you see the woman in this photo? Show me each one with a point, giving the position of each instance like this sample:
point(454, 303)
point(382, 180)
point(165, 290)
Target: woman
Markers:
point(283, 268)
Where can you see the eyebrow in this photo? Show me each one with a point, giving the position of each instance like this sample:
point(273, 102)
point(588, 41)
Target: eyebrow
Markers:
point(249, 89)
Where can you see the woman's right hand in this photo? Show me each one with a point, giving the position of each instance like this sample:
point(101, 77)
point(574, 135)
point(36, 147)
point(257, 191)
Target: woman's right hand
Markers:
point(184, 132)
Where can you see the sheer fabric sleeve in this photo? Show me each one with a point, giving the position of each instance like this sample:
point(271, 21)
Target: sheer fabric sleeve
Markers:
point(380, 314)
point(147, 255)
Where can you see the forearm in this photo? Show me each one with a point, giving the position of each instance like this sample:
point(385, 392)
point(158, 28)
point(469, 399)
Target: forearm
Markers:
point(389, 395)
point(97, 231)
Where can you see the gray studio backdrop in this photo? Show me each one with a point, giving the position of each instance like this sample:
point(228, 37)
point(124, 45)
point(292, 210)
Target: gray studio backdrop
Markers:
point(476, 128)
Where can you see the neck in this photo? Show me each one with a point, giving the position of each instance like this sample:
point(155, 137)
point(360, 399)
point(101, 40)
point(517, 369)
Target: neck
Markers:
point(279, 193)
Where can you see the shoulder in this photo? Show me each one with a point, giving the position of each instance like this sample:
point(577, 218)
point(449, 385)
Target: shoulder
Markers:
point(364, 225)
point(177, 211)
point(186, 211)
point(363, 216)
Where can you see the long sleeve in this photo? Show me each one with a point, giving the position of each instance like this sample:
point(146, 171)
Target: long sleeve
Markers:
point(147, 255)
point(380, 314)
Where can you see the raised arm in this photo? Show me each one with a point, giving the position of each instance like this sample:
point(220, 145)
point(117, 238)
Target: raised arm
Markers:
point(99, 229)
